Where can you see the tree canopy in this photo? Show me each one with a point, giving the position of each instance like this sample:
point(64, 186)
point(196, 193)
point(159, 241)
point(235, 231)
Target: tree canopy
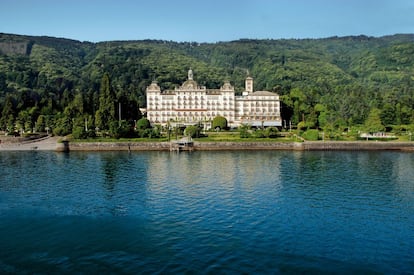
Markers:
point(329, 83)
point(219, 122)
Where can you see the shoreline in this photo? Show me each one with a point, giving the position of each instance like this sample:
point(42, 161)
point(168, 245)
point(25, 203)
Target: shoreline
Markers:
point(53, 144)
point(246, 146)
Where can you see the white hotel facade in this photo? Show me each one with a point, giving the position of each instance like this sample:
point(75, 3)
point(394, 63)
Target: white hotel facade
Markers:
point(191, 104)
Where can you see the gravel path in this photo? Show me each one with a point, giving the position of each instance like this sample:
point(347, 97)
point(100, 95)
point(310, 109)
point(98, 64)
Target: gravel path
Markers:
point(44, 144)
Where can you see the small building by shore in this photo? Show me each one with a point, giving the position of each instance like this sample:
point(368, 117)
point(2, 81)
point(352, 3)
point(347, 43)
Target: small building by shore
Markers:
point(377, 136)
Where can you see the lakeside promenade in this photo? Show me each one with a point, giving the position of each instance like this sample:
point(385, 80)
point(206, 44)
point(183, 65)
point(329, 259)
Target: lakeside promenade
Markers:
point(53, 144)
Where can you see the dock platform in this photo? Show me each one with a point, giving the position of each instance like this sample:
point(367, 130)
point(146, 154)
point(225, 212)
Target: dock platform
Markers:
point(184, 144)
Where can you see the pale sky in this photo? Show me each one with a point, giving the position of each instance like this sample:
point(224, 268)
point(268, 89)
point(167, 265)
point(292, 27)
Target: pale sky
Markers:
point(205, 21)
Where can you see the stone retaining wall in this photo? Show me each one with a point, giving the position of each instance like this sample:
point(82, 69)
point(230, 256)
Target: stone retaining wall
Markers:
point(222, 146)
point(119, 146)
point(211, 146)
point(357, 145)
point(165, 146)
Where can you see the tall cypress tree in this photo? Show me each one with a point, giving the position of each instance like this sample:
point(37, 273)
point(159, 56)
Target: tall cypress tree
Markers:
point(8, 110)
point(106, 112)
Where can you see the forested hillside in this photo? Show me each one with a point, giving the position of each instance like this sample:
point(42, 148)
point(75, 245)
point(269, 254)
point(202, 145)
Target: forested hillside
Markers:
point(331, 83)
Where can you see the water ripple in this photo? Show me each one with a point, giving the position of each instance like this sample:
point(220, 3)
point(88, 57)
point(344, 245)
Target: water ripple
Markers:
point(210, 212)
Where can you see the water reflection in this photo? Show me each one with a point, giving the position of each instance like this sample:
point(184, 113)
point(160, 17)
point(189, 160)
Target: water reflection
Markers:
point(123, 180)
point(110, 166)
point(230, 169)
point(253, 212)
point(403, 174)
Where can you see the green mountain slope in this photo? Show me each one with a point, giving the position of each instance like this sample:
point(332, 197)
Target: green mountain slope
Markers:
point(332, 82)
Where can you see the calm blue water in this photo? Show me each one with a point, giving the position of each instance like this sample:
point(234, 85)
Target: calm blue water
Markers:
point(207, 212)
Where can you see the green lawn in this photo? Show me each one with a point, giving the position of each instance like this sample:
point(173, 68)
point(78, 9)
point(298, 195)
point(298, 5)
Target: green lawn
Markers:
point(235, 137)
point(100, 139)
point(210, 137)
point(229, 136)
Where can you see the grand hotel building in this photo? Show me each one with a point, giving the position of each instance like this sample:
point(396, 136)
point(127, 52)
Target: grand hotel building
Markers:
point(192, 104)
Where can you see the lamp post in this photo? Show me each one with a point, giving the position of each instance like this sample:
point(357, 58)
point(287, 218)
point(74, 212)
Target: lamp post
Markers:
point(169, 131)
point(119, 113)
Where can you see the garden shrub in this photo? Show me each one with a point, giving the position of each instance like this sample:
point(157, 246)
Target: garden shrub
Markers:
point(311, 135)
point(219, 122)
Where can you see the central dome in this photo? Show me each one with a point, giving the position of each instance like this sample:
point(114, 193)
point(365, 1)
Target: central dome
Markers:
point(190, 83)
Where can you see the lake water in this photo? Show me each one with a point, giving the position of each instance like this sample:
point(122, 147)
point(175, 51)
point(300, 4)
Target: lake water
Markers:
point(207, 212)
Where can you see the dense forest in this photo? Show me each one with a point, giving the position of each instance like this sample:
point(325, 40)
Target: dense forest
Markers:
point(332, 84)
